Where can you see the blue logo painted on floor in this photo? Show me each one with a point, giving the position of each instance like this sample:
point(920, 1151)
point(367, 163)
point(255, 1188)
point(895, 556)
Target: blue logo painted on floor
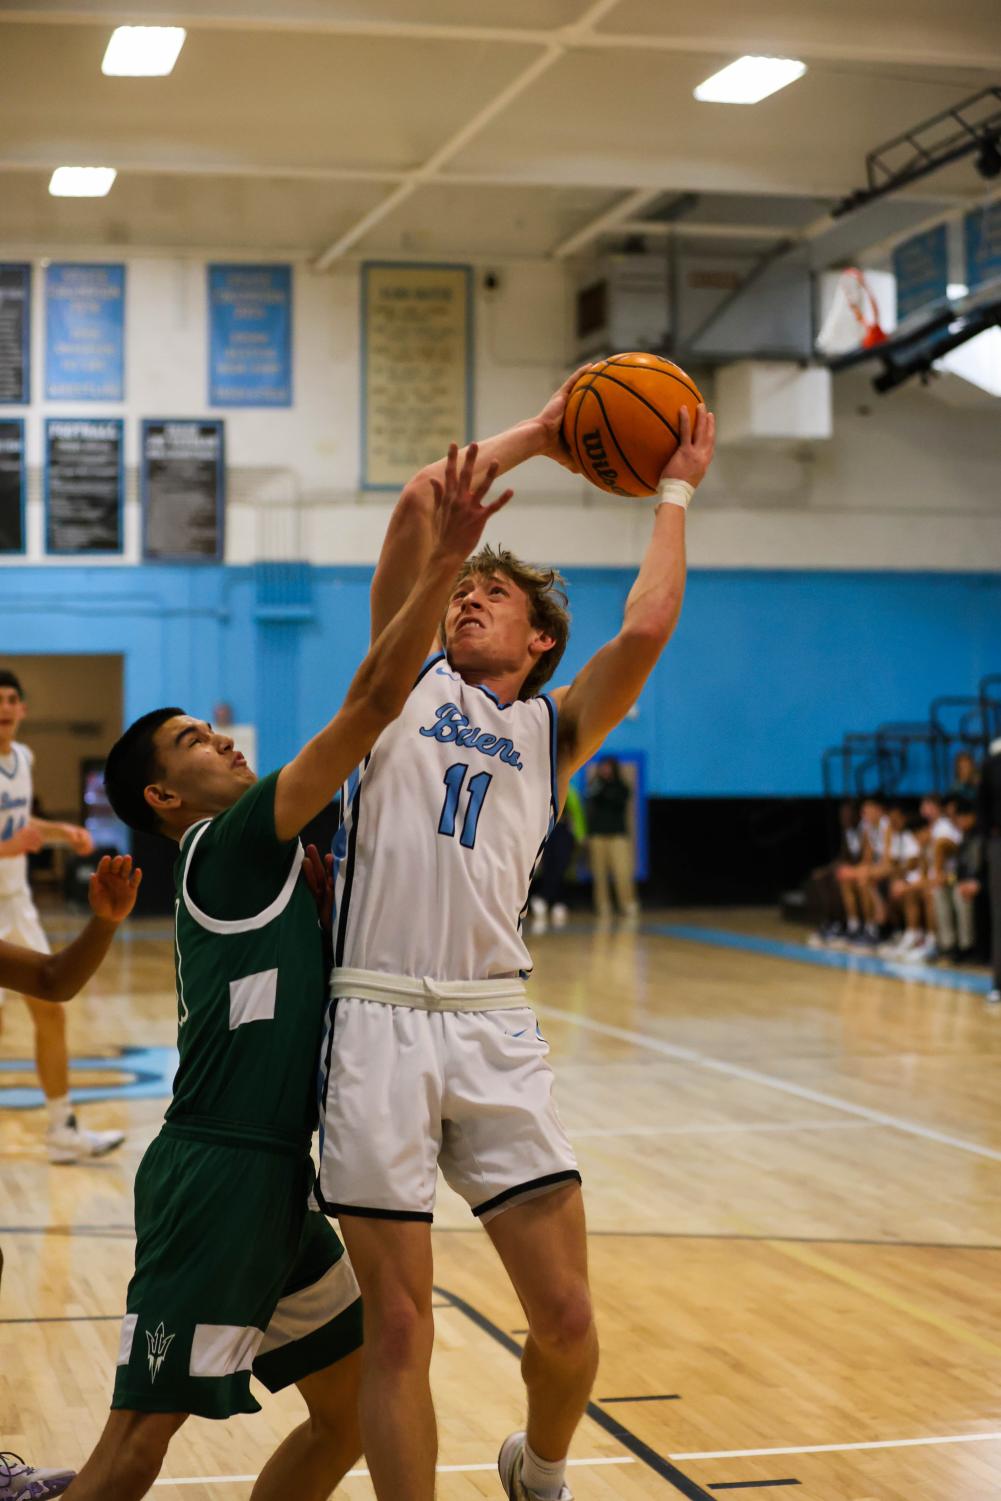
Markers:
point(133, 1074)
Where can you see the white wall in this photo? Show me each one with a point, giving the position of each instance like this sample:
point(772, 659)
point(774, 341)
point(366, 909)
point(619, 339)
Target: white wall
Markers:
point(906, 482)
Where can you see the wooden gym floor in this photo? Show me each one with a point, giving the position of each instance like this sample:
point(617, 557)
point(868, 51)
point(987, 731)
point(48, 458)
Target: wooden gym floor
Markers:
point(793, 1178)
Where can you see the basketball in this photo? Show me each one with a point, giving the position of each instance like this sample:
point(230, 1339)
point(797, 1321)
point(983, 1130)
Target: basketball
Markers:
point(622, 420)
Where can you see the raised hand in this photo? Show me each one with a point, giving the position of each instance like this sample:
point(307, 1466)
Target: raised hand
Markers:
point(459, 512)
point(550, 419)
point(694, 452)
point(113, 887)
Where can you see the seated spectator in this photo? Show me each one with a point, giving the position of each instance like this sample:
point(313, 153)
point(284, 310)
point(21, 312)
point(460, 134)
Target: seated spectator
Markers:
point(956, 883)
point(909, 851)
point(940, 839)
point(965, 778)
point(861, 884)
point(989, 808)
point(823, 887)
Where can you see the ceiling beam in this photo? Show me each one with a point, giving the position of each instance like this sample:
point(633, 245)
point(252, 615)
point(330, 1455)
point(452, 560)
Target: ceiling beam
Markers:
point(611, 219)
point(875, 43)
point(461, 137)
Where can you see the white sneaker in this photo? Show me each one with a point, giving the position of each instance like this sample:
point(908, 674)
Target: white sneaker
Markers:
point(924, 952)
point(68, 1143)
point(559, 915)
point(993, 997)
point(509, 1462)
point(21, 1482)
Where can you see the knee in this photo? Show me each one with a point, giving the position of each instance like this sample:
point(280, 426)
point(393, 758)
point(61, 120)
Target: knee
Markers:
point(566, 1324)
point(398, 1332)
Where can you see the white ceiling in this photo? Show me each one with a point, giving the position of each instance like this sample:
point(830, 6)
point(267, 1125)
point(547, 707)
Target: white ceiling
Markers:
point(327, 128)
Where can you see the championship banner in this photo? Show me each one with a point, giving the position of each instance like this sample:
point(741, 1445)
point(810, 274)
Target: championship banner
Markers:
point(85, 333)
point(183, 490)
point(982, 238)
point(15, 335)
point(84, 485)
point(13, 487)
point(417, 367)
point(250, 336)
point(921, 266)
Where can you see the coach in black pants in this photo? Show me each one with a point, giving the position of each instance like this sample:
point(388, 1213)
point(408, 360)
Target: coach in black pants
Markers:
point(990, 820)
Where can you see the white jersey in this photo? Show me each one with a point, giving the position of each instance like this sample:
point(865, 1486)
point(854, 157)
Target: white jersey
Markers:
point(15, 810)
point(442, 832)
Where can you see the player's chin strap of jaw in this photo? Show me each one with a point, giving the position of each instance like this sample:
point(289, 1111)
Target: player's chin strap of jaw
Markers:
point(674, 492)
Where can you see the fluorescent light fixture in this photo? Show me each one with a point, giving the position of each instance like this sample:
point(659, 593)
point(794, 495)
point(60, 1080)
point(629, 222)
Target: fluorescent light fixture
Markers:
point(749, 80)
point(81, 182)
point(955, 290)
point(143, 51)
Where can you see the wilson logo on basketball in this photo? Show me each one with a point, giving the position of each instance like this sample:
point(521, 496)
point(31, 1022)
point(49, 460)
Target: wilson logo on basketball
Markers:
point(595, 450)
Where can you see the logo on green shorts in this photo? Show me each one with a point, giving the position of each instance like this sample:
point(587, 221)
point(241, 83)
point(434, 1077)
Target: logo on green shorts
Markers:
point(157, 1345)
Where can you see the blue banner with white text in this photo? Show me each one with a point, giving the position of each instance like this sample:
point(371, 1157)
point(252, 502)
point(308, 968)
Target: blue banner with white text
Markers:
point(250, 336)
point(84, 332)
point(982, 235)
point(921, 266)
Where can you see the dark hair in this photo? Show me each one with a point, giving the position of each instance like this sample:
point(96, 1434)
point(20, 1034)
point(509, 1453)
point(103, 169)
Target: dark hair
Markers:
point(547, 605)
point(10, 679)
point(131, 765)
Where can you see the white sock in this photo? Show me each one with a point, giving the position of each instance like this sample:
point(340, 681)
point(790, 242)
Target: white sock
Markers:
point(59, 1112)
point(542, 1477)
point(853, 925)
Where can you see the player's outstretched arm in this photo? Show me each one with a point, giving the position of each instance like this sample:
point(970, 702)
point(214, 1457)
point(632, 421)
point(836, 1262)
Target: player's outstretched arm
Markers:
point(58, 977)
point(407, 544)
point(385, 678)
point(72, 834)
point(605, 689)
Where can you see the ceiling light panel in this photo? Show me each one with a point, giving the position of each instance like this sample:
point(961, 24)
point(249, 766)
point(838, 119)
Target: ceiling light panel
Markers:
point(81, 182)
point(749, 80)
point(143, 51)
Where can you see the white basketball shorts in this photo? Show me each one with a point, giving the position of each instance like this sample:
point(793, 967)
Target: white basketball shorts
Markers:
point(19, 923)
point(403, 1090)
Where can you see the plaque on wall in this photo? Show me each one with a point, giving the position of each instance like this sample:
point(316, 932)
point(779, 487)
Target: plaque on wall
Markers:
point(15, 335)
point(12, 485)
point(183, 490)
point(84, 484)
point(417, 370)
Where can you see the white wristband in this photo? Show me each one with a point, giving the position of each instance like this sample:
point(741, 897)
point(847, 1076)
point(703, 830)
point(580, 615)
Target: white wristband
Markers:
point(674, 492)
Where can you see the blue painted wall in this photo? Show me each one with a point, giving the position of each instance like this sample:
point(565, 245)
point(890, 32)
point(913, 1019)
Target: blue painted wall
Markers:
point(765, 670)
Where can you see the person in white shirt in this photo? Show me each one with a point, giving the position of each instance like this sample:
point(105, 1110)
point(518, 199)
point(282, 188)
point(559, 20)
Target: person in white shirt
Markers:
point(907, 849)
point(21, 834)
point(861, 884)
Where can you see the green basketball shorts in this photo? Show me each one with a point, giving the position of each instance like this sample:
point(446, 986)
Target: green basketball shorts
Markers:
point(235, 1275)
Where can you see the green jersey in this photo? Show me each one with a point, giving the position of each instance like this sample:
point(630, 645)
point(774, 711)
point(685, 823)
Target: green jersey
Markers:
point(250, 979)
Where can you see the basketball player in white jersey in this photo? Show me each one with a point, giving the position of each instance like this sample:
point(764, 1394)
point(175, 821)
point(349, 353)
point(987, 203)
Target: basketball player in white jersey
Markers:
point(432, 1056)
point(20, 836)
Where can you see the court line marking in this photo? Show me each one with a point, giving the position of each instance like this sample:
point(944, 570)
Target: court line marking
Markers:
point(716, 1128)
point(615, 1459)
point(886, 1443)
point(658, 1463)
point(872, 1288)
point(841, 959)
point(768, 1081)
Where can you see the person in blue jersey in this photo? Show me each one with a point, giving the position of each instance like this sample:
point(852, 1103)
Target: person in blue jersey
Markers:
point(431, 1055)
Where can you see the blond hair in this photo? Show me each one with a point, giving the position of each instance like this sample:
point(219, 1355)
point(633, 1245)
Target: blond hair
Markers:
point(547, 605)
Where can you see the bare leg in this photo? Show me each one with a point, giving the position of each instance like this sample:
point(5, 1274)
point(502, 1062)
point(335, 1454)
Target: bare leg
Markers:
point(392, 1261)
point(51, 1058)
point(850, 898)
point(315, 1457)
point(127, 1458)
point(543, 1245)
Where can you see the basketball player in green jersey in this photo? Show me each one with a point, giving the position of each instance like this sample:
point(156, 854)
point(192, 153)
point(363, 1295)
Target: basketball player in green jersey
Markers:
point(234, 1274)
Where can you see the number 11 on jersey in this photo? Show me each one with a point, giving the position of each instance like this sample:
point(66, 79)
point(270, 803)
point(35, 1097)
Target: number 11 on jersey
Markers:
point(454, 778)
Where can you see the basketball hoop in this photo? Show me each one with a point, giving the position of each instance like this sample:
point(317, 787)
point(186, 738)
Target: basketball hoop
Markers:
point(852, 320)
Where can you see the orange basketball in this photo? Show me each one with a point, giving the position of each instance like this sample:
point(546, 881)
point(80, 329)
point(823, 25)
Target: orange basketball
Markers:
point(622, 420)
